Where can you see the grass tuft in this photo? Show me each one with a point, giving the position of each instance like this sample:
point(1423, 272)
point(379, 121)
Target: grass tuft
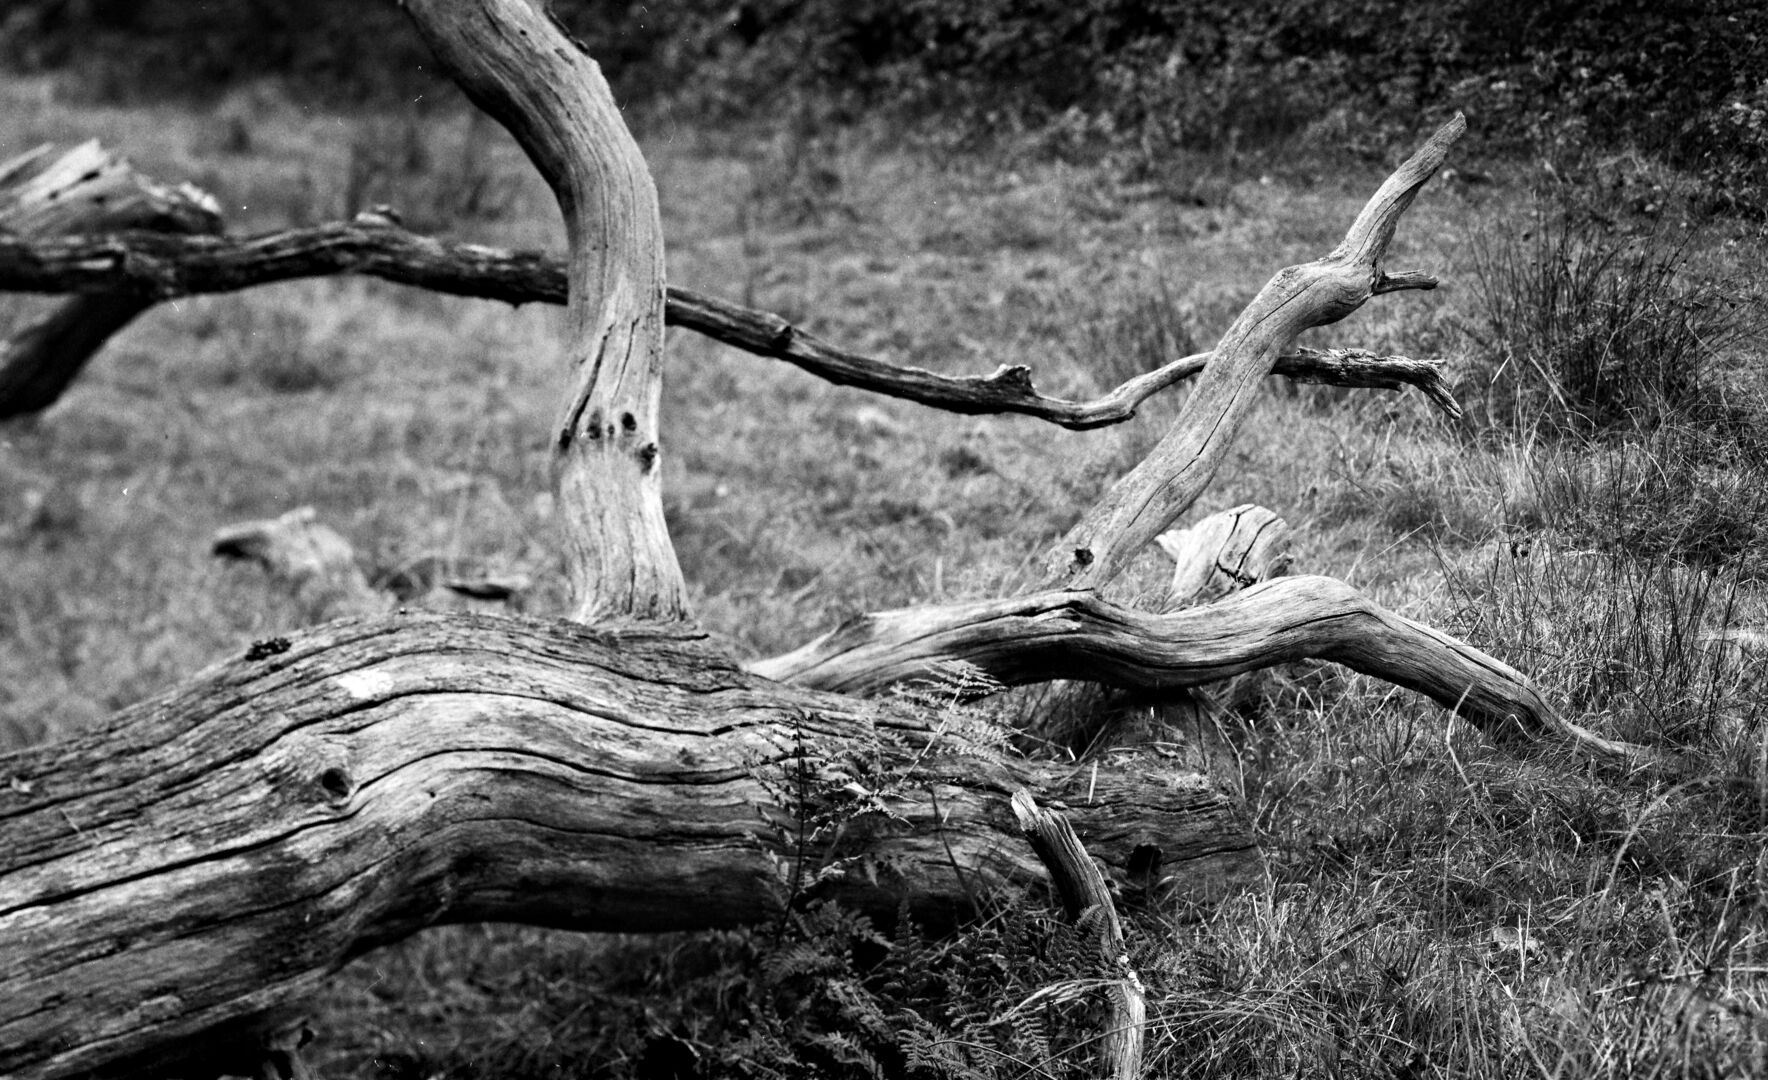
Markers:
point(1583, 327)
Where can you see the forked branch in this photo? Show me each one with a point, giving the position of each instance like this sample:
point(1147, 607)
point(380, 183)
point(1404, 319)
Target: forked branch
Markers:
point(1068, 631)
point(1151, 497)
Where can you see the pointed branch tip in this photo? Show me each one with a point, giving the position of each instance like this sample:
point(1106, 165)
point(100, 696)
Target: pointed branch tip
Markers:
point(1405, 279)
point(1367, 240)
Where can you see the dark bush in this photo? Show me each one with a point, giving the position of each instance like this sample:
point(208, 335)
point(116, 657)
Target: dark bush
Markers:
point(345, 50)
point(1687, 79)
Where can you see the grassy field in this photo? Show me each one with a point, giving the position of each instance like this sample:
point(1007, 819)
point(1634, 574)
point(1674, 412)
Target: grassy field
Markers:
point(1435, 906)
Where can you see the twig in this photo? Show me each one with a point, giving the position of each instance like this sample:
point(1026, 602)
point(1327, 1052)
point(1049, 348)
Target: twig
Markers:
point(1087, 899)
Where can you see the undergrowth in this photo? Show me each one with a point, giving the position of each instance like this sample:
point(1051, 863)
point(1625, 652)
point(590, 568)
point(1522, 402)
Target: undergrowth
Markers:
point(1585, 327)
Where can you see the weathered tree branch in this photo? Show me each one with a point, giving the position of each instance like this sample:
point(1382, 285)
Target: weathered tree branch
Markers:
point(553, 99)
point(1074, 634)
point(1069, 632)
point(1224, 553)
point(1165, 483)
point(163, 267)
point(85, 190)
point(215, 852)
point(219, 850)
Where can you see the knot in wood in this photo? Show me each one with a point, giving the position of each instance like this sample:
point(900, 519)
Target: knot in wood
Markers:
point(265, 649)
point(336, 782)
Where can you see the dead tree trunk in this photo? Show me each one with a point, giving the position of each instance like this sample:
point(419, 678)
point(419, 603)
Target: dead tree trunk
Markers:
point(211, 856)
point(219, 851)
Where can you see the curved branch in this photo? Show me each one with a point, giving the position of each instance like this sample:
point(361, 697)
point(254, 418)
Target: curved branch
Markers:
point(1165, 483)
point(517, 64)
point(163, 267)
point(1087, 899)
point(1072, 634)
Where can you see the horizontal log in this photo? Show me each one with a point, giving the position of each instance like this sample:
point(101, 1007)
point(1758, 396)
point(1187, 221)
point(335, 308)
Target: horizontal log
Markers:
point(1074, 634)
point(215, 852)
point(163, 267)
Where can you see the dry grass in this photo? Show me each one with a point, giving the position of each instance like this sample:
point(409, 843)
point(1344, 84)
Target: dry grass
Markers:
point(1435, 906)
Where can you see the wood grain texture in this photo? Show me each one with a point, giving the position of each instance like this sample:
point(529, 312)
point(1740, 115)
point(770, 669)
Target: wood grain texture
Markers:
point(1225, 552)
point(517, 64)
point(217, 851)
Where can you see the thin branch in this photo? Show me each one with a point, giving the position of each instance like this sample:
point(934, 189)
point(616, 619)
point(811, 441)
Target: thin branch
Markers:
point(163, 267)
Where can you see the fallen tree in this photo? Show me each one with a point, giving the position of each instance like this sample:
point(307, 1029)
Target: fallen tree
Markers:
point(173, 885)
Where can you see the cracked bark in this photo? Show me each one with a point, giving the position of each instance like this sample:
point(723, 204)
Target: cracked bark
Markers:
point(167, 886)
